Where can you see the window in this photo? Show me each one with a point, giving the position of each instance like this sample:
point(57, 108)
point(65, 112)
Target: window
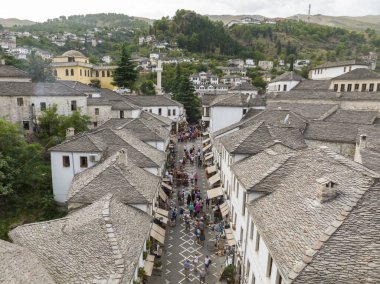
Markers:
point(73, 105)
point(103, 74)
point(349, 87)
point(344, 69)
point(252, 230)
point(253, 279)
point(66, 161)
point(97, 73)
point(237, 189)
point(83, 162)
point(350, 68)
point(356, 87)
point(279, 88)
point(269, 266)
point(96, 111)
point(244, 111)
point(335, 87)
point(278, 278)
point(241, 236)
point(159, 111)
point(108, 73)
point(71, 59)
point(25, 124)
point(174, 112)
point(169, 112)
point(364, 87)
point(248, 269)
point(55, 73)
point(80, 72)
point(72, 72)
point(150, 110)
point(257, 246)
point(20, 101)
point(342, 86)
point(67, 72)
point(42, 106)
point(95, 124)
point(285, 87)
point(371, 87)
point(121, 114)
point(378, 87)
point(243, 205)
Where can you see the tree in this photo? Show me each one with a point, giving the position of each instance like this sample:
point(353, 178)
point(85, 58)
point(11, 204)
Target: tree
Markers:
point(39, 69)
point(125, 74)
point(95, 83)
point(185, 94)
point(147, 88)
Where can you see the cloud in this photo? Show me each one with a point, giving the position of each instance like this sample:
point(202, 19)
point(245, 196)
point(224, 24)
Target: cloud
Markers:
point(40, 10)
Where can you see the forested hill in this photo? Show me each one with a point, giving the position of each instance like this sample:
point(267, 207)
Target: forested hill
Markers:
point(196, 33)
point(308, 41)
point(81, 23)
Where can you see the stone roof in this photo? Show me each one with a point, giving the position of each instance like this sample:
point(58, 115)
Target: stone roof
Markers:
point(143, 129)
point(313, 85)
point(100, 242)
point(372, 133)
point(259, 136)
point(150, 101)
point(73, 53)
point(108, 141)
point(156, 119)
point(358, 74)
point(37, 89)
point(18, 265)
point(116, 175)
point(235, 100)
point(243, 87)
point(353, 116)
point(332, 131)
point(8, 71)
point(79, 86)
point(288, 76)
point(370, 159)
point(339, 63)
point(309, 111)
point(294, 224)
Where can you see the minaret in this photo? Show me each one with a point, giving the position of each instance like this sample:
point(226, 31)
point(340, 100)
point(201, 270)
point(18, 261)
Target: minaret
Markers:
point(308, 15)
point(159, 70)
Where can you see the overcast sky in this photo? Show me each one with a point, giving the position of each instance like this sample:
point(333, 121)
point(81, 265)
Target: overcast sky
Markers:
point(41, 10)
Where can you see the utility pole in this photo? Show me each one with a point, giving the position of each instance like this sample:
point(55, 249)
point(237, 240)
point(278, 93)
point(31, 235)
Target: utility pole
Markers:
point(308, 15)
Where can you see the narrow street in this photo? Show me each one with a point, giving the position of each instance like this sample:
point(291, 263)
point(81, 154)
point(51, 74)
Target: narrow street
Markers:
point(181, 244)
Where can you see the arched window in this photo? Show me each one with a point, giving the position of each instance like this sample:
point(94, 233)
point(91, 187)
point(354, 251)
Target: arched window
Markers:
point(67, 72)
point(72, 72)
point(55, 73)
point(103, 74)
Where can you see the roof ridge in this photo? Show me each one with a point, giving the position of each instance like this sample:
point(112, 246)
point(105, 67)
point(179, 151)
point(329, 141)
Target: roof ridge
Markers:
point(246, 134)
point(113, 241)
point(312, 251)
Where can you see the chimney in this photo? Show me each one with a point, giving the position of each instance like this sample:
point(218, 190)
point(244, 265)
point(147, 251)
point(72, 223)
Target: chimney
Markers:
point(70, 132)
point(326, 190)
point(363, 141)
point(122, 159)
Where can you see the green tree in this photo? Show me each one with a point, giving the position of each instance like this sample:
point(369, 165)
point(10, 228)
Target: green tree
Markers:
point(39, 69)
point(147, 88)
point(95, 83)
point(125, 74)
point(185, 94)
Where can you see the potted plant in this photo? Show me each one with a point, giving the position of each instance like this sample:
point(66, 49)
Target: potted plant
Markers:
point(157, 266)
point(228, 274)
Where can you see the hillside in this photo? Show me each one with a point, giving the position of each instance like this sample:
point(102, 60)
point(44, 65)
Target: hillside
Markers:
point(10, 22)
point(352, 23)
point(228, 18)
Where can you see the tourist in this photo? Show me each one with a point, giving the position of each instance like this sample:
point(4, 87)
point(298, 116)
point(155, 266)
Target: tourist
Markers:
point(202, 276)
point(207, 263)
point(186, 267)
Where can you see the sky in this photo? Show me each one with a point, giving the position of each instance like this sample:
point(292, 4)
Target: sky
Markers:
point(41, 10)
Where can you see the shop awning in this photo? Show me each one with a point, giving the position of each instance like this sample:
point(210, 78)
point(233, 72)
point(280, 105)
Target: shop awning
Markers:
point(228, 231)
point(157, 236)
point(231, 242)
point(206, 148)
point(208, 157)
point(211, 169)
point(158, 229)
point(206, 141)
point(214, 179)
point(162, 212)
point(161, 218)
point(148, 267)
point(166, 185)
point(150, 257)
point(215, 192)
point(225, 209)
point(205, 133)
point(162, 194)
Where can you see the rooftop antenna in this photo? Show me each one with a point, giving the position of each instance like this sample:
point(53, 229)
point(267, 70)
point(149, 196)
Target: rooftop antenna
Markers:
point(308, 15)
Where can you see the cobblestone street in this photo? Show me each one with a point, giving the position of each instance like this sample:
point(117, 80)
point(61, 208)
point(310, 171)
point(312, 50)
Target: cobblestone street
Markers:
point(181, 244)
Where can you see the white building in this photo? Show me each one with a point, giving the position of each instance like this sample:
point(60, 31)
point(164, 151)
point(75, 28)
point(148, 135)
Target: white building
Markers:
point(330, 70)
point(285, 82)
point(266, 65)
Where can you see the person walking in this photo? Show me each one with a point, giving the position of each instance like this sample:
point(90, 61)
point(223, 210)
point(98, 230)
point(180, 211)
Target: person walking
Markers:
point(207, 263)
point(195, 262)
point(186, 267)
point(202, 276)
point(191, 209)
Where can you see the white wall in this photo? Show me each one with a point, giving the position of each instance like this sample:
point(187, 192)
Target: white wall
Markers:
point(221, 117)
point(164, 111)
point(274, 87)
point(331, 72)
point(63, 176)
point(160, 145)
